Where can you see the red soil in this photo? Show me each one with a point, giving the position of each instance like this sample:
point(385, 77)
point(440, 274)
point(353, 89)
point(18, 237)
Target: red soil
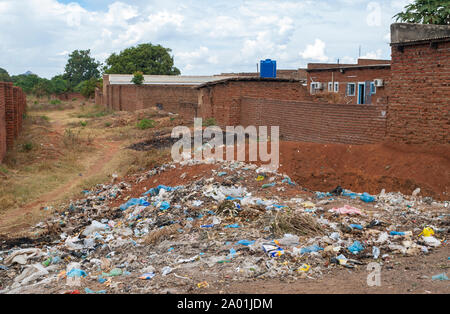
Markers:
point(369, 168)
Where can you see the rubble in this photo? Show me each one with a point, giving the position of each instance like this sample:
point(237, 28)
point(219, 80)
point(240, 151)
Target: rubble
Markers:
point(229, 223)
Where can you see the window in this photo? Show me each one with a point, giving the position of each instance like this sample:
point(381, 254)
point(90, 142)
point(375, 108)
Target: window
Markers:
point(330, 87)
point(316, 86)
point(351, 89)
point(336, 87)
point(373, 88)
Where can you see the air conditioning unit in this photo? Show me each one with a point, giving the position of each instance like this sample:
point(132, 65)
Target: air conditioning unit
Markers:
point(379, 82)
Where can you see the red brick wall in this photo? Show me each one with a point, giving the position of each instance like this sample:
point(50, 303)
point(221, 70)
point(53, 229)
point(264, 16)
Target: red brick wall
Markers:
point(12, 108)
point(223, 101)
point(176, 99)
point(419, 106)
point(353, 76)
point(2, 121)
point(317, 122)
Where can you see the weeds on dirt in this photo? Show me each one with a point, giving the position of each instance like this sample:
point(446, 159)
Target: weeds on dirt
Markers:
point(145, 124)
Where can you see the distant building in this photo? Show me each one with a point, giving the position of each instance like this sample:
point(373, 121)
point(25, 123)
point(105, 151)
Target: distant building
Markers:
point(364, 83)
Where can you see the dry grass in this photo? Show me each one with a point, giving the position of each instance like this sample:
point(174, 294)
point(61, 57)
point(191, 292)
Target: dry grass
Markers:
point(295, 223)
point(161, 234)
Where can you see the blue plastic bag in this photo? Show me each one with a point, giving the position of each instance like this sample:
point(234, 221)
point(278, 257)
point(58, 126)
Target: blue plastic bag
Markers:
point(134, 201)
point(356, 247)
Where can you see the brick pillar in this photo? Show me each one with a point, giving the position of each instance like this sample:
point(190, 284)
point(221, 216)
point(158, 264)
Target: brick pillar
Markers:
point(2, 122)
point(9, 115)
point(15, 91)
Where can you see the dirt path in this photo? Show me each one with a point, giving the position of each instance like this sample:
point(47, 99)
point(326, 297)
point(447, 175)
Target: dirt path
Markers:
point(13, 221)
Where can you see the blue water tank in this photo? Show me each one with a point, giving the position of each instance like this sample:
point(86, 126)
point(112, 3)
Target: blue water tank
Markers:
point(268, 68)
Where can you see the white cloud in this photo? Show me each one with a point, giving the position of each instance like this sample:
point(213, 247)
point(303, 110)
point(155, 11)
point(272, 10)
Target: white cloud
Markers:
point(374, 17)
point(373, 55)
point(315, 52)
point(205, 37)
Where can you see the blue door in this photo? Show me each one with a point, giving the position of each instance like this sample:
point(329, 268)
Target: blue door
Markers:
point(361, 93)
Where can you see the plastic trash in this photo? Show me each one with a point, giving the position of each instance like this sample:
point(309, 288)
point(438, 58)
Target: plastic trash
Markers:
point(221, 174)
point(234, 226)
point(245, 242)
point(272, 250)
point(147, 276)
point(309, 249)
point(166, 270)
point(356, 247)
point(113, 273)
point(268, 185)
point(365, 197)
point(375, 252)
point(356, 226)
point(431, 241)
point(155, 191)
point(260, 178)
point(22, 256)
point(304, 268)
point(346, 210)
point(442, 276)
point(427, 232)
point(400, 233)
point(289, 240)
point(75, 272)
point(134, 201)
point(288, 180)
point(94, 227)
point(90, 291)
point(162, 205)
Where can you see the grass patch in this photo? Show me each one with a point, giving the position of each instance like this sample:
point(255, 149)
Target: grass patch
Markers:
point(145, 124)
point(209, 122)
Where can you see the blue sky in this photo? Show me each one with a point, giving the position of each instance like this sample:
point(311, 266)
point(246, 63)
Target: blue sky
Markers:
point(206, 37)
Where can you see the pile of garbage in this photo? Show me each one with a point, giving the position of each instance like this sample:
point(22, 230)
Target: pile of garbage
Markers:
point(239, 222)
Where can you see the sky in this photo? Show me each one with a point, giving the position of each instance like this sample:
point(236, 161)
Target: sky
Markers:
point(206, 36)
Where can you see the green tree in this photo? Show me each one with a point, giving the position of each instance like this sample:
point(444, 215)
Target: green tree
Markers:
point(59, 85)
point(26, 82)
point(4, 76)
point(426, 12)
point(146, 58)
point(87, 88)
point(42, 88)
point(81, 67)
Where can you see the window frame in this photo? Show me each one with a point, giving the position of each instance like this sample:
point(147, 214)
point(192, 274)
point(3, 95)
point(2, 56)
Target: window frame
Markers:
point(373, 88)
point(334, 87)
point(330, 87)
point(354, 89)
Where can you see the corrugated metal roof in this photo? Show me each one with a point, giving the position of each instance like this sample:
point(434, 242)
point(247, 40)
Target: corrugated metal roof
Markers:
point(124, 79)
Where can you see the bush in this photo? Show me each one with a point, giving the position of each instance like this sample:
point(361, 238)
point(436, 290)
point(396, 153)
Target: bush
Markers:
point(146, 124)
point(27, 147)
point(209, 122)
point(138, 78)
point(55, 102)
point(83, 123)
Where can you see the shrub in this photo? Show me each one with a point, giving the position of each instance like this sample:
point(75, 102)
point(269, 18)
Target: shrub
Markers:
point(209, 122)
point(138, 78)
point(83, 123)
point(55, 102)
point(27, 146)
point(146, 124)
